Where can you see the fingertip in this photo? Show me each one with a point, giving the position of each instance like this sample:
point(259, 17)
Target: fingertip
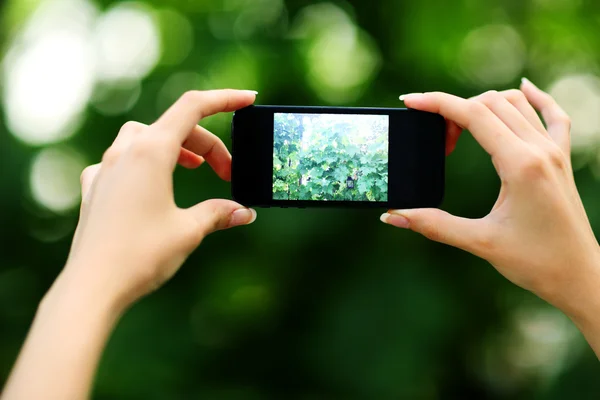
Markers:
point(395, 219)
point(189, 160)
point(250, 96)
point(222, 169)
point(527, 85)
point(226, 175)
point(411, 99)
point(453, 132)
point(242, 216)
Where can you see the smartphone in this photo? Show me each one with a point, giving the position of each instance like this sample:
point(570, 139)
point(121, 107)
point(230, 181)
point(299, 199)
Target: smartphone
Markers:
point(293, 156)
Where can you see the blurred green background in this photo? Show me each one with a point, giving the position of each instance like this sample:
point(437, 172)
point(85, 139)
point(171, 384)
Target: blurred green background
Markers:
point(303, 304)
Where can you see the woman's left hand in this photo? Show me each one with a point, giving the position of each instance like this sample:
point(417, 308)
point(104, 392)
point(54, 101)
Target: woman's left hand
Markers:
point(132, 237)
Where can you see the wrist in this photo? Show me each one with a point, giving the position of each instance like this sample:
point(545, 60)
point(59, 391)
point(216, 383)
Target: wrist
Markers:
point(76, 291)
point(581, 300)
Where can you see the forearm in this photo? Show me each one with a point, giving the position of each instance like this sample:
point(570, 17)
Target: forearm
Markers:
point(65, 342)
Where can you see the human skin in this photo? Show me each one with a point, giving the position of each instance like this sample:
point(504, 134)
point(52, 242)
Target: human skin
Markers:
point(537, 234)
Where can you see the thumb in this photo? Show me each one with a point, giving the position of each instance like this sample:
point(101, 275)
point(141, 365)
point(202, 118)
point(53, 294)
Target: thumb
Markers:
point(217, 214)
point(438, 226)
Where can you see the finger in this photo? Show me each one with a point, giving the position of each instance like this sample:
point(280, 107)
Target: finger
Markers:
point(519, 101)
point(131, 129)
point(485, 127)
point(557, 121)
point(184, 115)
point(453, 132)
point(88, 176)
point(509, 115)
point(217, 214)
point(189, 159)
point(126, 134)
point(212, 149)
point(440, 226)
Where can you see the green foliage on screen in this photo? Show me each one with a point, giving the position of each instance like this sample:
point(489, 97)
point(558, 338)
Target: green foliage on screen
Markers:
point(330, 157)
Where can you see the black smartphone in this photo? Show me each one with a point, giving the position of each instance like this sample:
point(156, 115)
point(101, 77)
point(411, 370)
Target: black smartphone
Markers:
point(291, 156)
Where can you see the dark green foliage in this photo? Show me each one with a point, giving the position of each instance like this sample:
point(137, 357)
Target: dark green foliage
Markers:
point(330, 157)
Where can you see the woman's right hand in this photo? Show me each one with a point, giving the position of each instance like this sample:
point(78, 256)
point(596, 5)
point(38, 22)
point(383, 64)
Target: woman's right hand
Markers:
point(537, 234)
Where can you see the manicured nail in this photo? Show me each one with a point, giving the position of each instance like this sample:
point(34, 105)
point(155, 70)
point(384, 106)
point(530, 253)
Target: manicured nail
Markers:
point(406, 96)
point(525, 80)
point(243, 216)
point(396, 220)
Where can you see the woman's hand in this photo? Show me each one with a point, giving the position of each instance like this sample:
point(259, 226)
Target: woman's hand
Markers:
point(537, 234)
point(131, 236)
point(130, 239)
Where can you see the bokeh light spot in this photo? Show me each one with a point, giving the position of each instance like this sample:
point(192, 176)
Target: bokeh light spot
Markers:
point(546, 339)
point(54, 178)
point(176, 85)
point(177, 36)
point(341, 58)
point(491, 55)
point(579, 96)
point(251, 298)
point(117, 98)
point(558, 5)
point(127, 41)
point(48, 74)
point(241, 19)
point(539, 343)
point(258, 14)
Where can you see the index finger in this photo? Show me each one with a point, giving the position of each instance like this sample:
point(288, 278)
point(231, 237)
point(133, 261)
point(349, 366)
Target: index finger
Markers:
point(207, 145)
point(184, 115)
point(489, 131)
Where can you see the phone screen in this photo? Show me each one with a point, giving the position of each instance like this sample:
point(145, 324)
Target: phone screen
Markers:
point(330, 157)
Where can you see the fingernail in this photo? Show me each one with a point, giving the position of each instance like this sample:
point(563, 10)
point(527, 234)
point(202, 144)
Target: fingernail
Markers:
point(243, 216)
point(409, 95)
point(252, 91)
point(396, 220)
point(525, 80)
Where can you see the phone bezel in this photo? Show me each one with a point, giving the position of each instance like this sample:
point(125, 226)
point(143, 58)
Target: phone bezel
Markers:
point(416, 168)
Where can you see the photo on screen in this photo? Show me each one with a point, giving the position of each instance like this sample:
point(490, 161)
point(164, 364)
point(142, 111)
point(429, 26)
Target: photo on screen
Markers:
point(325, 157)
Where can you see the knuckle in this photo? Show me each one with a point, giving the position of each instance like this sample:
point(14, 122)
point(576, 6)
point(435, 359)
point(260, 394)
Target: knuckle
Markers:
point(191, 96)
point(110, 156)
point(533, 166)
point(477, 108)
point(132, 126)
point(217, 222)
point(489, 97)
point(86, 171)
point(556, 156)
point(514, 96)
